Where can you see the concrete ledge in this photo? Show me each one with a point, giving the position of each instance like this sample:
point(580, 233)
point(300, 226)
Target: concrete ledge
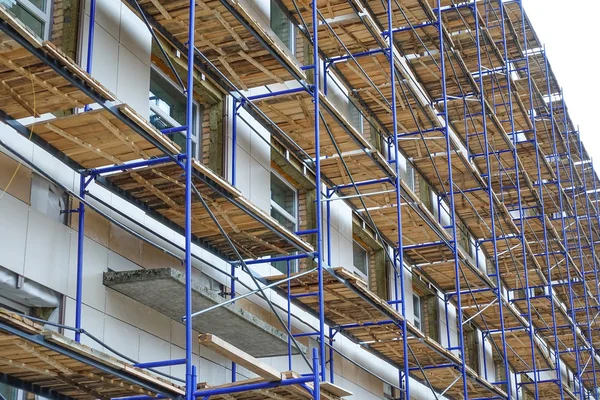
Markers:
point(163, 290)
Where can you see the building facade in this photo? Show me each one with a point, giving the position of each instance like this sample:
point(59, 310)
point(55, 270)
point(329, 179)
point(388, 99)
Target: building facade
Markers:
point(448, 253)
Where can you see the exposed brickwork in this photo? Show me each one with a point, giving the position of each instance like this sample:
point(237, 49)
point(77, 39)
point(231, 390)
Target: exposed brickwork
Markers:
point(372, 271)
point(471, 347)
point(58, 21)
point(65, 26)
point(212, 134)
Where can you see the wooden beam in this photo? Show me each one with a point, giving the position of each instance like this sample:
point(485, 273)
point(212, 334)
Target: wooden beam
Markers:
point(121, 136)
point(202, 40)
point(37, 80)
point(19, 99)
point(258, 65)
point(53, 363)
point(269, 395)
point(240, 357)
point(19, 365)
point(161, 9)
point(82, 143)
point(232, 31)
point(154, 190)
point(233, 73)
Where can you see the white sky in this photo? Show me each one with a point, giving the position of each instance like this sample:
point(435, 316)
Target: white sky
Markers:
point(570, 29)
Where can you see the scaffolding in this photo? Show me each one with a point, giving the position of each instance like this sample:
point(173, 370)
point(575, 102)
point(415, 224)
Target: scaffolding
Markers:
point(460, 92)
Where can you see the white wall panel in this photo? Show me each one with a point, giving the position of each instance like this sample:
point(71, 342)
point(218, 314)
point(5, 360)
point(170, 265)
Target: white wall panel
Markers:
point(13, 233)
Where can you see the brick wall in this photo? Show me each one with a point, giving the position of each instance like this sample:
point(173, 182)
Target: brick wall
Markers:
point(212, 134)
point(65, 26)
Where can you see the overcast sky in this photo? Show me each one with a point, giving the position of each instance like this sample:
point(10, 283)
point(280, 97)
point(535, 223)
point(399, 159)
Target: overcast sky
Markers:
point(570, 30)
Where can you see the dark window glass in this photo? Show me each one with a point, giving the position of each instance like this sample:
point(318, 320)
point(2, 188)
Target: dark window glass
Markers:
point(285, 210)
point(168, 110)
point(27, 17)
point(281, 25)
point(360, 258)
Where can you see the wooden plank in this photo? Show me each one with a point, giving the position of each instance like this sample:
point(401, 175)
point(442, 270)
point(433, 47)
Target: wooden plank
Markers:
point(240, 357)
point(24, 324)
point(109, 361)
point(335, 389)
point(37, 80)
point(36, 363)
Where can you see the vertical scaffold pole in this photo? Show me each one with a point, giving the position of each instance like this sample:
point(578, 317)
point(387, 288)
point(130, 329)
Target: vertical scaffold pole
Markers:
point(91, 33)
point(234, 142)
point(233, 288)
point(491, 201)
point(319, 197)
point(81, 209)
point(189, 378)
point(316, 381)
point(80, 239)
point(289, 314)
point(399, 256)
point(90, 42)
point(461, 344)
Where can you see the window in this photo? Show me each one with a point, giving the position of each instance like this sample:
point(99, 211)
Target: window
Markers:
point(168, 109)
point(282, 26)
point(417, 312)
point(464, 237)
point(425, 194)
point(284, 208)
point(500, 372)
point(389, 392)
point(355, 117)
point(35, 14)
point(360, 258)
point(407, 174)
point(471, 346)
point(8, 392)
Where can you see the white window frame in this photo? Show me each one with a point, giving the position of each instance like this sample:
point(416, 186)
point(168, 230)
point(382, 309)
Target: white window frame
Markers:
point(44, 16)
point(286, 215)
point(352, 108)
point(409, 175)
point(292, 39)
point(418, 319)
point(364, 274)
point(163, 115)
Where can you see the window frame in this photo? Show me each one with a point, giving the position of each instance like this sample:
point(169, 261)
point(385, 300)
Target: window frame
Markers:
point(418, 320)
point(408, 176)
point(280, 209)
point(291, 45)
point(365, 274)
point(197, 117)
point(293, 219)
point(356, 116)
point(43, 16)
